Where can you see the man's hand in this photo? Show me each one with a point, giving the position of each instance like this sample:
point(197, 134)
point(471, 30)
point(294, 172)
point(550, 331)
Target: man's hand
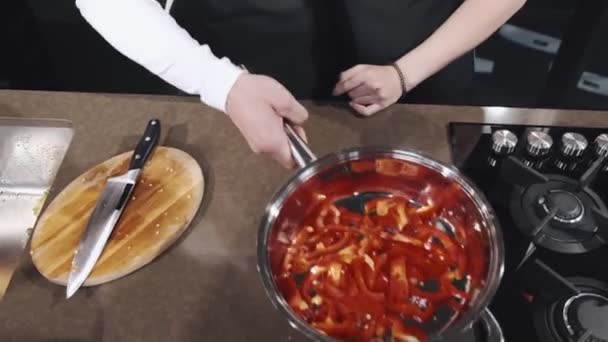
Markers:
point(370, 87)
point(257, 105)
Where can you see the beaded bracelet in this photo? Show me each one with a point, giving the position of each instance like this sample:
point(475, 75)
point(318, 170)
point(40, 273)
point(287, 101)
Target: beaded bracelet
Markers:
point(401, 77)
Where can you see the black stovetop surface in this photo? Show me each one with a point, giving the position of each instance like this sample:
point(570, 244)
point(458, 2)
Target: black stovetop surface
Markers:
point(534, 293)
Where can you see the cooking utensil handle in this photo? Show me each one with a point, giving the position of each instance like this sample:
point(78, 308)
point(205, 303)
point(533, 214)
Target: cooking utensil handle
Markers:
point(299, 149)
point(146, 145)
point(492, 329)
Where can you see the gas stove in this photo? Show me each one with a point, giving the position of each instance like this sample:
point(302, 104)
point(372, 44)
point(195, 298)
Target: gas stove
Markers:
point(549, 189)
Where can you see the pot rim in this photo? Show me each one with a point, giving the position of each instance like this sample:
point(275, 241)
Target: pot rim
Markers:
point(273, 208)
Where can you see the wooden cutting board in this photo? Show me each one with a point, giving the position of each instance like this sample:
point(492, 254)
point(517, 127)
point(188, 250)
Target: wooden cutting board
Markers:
point(163, 204)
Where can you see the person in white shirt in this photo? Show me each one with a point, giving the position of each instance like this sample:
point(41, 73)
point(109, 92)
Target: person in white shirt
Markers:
point(396, 46)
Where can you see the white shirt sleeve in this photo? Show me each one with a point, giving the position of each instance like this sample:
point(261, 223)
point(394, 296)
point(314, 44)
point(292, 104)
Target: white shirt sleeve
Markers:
point(145, 33)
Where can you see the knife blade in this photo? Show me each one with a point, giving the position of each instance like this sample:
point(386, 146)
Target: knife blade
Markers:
point(108, 209)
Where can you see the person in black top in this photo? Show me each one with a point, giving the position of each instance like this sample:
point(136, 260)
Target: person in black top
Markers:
point(371, 52)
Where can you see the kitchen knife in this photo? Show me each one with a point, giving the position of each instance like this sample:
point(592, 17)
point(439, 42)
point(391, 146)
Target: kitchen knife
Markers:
point(110, 206)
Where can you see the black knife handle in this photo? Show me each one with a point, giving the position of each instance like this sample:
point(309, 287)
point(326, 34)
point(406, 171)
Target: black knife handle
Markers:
point(146, 145)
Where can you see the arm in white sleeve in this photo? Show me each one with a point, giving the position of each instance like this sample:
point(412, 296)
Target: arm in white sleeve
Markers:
point(145, 33)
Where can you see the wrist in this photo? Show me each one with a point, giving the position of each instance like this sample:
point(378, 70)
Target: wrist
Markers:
point(233, 92)
point(401, 78)
point(411, 69)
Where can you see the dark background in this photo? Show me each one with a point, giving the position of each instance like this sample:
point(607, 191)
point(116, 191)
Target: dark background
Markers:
point(553, 53)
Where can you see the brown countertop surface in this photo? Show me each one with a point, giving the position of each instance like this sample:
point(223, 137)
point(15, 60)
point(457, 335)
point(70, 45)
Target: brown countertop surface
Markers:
point(205, 288)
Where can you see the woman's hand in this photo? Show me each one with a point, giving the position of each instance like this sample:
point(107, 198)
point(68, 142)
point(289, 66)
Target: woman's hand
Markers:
point(257, 105)
point(370, 87)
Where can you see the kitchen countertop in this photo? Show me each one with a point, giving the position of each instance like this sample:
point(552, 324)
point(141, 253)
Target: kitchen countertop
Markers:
point(206, 287)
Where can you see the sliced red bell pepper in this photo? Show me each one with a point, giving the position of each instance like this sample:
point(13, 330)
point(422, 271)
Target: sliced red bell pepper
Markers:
point(360, 166)
point(357, 267)
point(398, 286)
point(342, 243)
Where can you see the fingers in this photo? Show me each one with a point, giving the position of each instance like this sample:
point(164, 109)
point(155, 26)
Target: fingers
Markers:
point(287, 106)
point(259, 107)
point(292, 110)
point(280, 149)
point(351, 72)
point(347, 84)
point(283, 155)
point(366, 110)
point(366, 99)
point(359, 91)
point(301, 133)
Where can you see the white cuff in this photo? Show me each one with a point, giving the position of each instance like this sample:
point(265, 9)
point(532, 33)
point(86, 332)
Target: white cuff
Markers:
point(217, 81)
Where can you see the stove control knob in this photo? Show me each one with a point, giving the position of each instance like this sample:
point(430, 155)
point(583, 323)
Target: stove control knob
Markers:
point(504, 141)
point(573, 144)
point(601, 145)
point(538, 143)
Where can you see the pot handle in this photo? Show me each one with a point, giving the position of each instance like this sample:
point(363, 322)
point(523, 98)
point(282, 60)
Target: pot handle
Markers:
point(491, 330)
point(300, 151)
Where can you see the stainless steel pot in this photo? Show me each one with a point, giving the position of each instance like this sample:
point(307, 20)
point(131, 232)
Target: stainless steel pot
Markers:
point(282, 211)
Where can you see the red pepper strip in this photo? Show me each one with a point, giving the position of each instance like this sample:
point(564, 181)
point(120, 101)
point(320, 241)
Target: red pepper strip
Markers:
point(346, 328)
point(415, 274)
point(418, 256)
point(332, 291)
point(348, 218)
point(379, 261)
point(412, 310)
point(338, 228)
point(287, 285)
point(328, 210)
point(453, 290)
point(357, 266)
point(313, 240)
point(402, 239)
point(424, 231)
point(301, 237)
point(330, 249)
point(438, 296)
point(462, 264)
point(428, 213)
point(307, 286)
point(381, 282)
point(402, 331)
point(449, 196)
point(352, 289)
point(446, 291)
point(289, 255)
point(398, 287)
point(362, 165)
point(369, 328)
point(319, 313)
point(389, 167)
point(385, 204)
point(386, 223)
point(341, 311)
point(376, 242)
point(332, 311)
point(367, 223)
point(413, 217)
point(370, 275)
point(448, 244)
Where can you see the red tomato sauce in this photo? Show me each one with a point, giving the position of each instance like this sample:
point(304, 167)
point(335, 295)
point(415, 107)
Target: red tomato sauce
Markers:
point(382, 272)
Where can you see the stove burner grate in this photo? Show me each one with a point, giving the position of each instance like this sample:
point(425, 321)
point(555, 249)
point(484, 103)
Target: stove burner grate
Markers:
point(567, 309)
point(585, 315)
point(556, 212)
